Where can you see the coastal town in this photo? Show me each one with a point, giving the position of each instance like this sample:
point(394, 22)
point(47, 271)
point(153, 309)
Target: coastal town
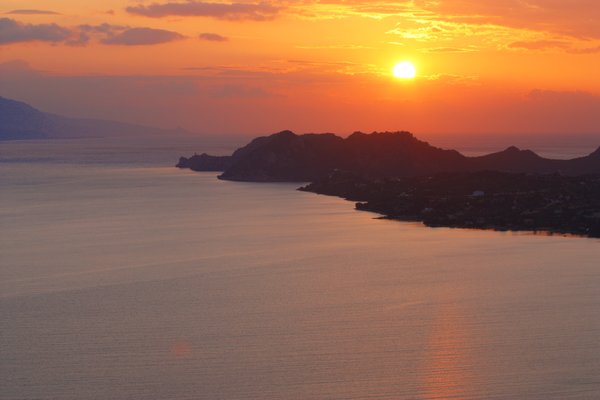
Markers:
point(479, 200)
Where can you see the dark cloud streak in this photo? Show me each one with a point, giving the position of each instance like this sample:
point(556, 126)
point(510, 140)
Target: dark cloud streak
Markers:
point(230, 12)
point(589, 50)
point(33, 12)
point(12, 31)
point(546, 44)
point(86, 30)
point(539, 45)
point(172, 88)
point(447, 50)
point(142, 36)
point(229, 91)
point(213, 37)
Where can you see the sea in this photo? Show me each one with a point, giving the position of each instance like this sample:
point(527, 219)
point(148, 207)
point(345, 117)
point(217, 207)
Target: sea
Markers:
point(123, 277)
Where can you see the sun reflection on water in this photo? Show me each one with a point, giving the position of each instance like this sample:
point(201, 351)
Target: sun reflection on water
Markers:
point(450, 356)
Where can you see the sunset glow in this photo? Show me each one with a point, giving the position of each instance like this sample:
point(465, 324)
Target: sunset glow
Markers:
point(484, 67)
point(404, 70)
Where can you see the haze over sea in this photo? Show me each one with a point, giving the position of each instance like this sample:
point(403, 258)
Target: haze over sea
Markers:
point(123, 277)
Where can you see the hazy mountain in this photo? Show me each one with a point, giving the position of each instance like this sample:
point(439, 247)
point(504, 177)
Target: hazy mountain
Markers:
point(286, 156)
point(20, 121)
point(515, 160)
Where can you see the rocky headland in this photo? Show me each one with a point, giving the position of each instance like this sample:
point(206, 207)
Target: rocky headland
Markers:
point(287, 157)
point(401, 177)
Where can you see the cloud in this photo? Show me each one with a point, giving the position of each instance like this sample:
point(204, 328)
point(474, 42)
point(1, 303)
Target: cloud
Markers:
point(230, 12)
point(318, 99)
point(291, 70)
point(82, 40)
point(447, 50)
point(589, 50)
point(338, 46)
point(550, 110)
point(32, 12)
point(554, 44)
point(228, 91)
point(18, 69)
point(12, 31)
point(384, 9)
point(454, 79)
point(213, 37)
point(172, 88)
point(574, 18)
point(198, 69)
point(336, 63)
point(85, 31)
point(328, 9)
point(142, 36)
point(575, 98)
point(107, 29)
point(421, 34)
point(539, 44)
point(436, 30)
point(534, 25)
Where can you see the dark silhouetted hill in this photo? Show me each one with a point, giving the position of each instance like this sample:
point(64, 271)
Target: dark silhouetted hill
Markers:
point(205, 162)
point(302, 158)
point(515, 160)
point(285, 156)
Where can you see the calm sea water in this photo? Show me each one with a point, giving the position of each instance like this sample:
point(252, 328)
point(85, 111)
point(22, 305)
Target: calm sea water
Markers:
point(125, 278)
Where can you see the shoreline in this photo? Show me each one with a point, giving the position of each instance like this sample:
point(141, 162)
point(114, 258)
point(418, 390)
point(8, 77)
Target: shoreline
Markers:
point(488, 200)
point(539, 232)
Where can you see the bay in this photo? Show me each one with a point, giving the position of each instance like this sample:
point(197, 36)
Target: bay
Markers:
point(125, 278)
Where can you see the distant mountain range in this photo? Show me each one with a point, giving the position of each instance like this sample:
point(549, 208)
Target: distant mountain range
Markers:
point(20, 121)
point(287, 157)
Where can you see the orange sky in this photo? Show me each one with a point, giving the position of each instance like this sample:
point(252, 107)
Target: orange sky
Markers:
point(483, 66)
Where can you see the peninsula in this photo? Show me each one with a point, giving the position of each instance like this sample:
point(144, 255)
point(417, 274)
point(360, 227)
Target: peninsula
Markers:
point(403, 178)
point(481, 200)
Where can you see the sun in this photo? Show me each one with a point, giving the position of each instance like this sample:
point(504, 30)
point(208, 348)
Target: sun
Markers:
point(404, 70)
